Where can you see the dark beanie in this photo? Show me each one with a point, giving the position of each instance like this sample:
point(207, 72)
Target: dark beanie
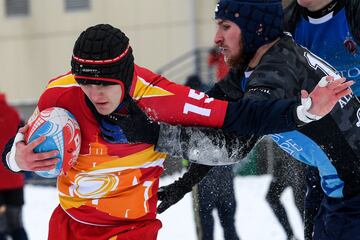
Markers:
point(260, 21)
point(102, 54)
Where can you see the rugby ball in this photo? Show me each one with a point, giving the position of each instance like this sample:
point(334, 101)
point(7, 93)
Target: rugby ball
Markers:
point(62, 133)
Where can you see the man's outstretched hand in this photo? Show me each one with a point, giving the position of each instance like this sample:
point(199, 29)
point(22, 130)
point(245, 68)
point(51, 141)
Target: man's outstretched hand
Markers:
point(23, 157)
point(326, 94)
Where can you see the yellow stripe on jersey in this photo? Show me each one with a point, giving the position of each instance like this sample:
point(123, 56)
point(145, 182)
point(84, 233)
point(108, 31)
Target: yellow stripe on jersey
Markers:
point(115, 187)
point(142, 159)
point(63, 81)
point(144, 89)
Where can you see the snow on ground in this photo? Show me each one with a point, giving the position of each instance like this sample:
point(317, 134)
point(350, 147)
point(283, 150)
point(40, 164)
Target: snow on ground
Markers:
point(254, 218)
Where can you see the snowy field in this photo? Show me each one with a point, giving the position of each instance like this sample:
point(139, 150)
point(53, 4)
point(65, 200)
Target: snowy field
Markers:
point(254, 218)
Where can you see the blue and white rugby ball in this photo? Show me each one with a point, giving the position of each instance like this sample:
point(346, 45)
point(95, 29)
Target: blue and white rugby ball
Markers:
point(62, 133)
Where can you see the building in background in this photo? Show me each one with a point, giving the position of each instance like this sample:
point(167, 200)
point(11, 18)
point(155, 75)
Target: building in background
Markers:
point(37, 36)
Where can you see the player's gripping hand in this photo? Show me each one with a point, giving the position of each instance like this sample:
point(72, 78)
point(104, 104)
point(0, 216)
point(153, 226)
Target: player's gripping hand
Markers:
point(23, 157)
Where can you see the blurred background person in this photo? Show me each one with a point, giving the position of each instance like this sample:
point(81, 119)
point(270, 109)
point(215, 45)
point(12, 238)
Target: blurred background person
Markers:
point(11, 184)
point(214, 192)
point(287, 172)
point(193, 81)
point(216, 60)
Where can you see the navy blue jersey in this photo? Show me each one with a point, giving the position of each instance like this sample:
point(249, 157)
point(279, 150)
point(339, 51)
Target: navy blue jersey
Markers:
point(328, 33)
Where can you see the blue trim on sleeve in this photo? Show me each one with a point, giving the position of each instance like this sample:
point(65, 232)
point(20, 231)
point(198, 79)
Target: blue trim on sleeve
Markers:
point(307, 151)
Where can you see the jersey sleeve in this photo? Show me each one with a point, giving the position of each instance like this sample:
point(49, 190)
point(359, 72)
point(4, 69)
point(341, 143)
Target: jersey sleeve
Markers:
point(260, 117)
point(172, 103)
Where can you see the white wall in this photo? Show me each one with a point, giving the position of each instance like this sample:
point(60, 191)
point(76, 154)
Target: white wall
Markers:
point(38, 47)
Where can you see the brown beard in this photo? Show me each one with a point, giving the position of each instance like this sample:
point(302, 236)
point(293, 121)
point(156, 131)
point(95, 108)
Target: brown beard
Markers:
point(241, 60)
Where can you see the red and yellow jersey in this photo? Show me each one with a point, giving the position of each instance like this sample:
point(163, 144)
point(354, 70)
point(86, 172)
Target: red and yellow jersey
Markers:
point(113, 183)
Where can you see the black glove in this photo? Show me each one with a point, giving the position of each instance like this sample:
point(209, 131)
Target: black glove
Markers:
point(172, 193)
point(136, 126)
